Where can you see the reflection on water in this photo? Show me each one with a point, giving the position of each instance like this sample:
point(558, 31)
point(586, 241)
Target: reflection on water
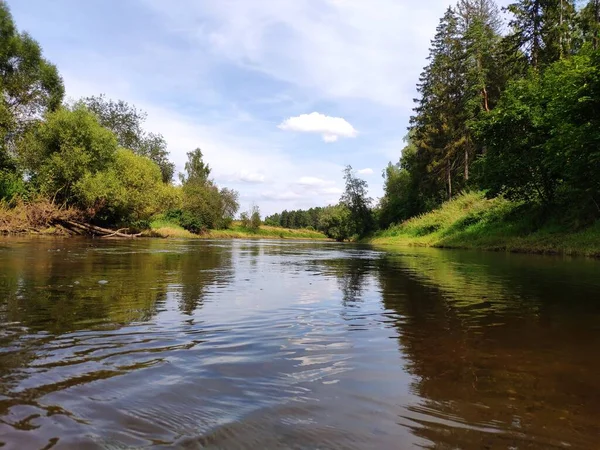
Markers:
point(266, 344)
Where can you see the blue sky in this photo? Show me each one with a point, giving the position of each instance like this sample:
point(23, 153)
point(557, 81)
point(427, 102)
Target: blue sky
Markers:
point(279, 94)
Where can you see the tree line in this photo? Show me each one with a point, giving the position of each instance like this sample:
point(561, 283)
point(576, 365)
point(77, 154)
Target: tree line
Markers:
point(352, 217)
point(92, 154)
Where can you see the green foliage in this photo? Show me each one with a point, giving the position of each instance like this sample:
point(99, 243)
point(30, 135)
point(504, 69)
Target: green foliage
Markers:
point(204, 205)
point(336, 222)
point(229, 206)
point(93, 155)
point(543, 137)
point(356, 200)
point(29, 84)
point(352, 217)
point(60, 151)
point(513, 115)
point(130, 190)
point(126, 122)
point(197, 171)
point(395, 205)
point(191, 222)
point(296, 218)
point(588, 24)
point(542, 29)
point(245, 219)
point(203, 202)
point(11, 185)
point(255, 221)
point(251, 219)
point(473, 221)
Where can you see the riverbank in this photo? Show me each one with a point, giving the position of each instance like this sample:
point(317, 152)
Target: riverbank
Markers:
point(473, 222)
point(167, 229)
point(45, 218)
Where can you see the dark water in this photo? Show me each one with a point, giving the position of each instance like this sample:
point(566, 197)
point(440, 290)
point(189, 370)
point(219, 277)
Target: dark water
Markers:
point(265, 344)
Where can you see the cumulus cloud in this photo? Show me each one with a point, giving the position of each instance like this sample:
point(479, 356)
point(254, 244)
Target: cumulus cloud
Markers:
point(330, 128)
point(366, 171)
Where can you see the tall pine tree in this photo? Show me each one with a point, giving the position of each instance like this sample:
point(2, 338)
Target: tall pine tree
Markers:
point(542, 29)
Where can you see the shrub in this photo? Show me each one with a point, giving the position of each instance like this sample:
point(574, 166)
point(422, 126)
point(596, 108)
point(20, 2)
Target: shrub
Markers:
point(130, 190)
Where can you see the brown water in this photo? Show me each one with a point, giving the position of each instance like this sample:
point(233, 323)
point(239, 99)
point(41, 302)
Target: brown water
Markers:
point(267, 344)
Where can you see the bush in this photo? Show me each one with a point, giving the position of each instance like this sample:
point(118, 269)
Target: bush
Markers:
point(191, 222)
point(335, 222)
point(11, 185)
point(130, 190)
point(245, 219)
point(68, 146)
point(255, 221)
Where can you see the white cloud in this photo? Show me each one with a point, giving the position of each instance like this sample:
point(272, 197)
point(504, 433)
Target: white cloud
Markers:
point(286, 195)
point(331, 128)
point(319, 187)
point(331, 191)
point(246, 177)
point(332, 48)
point(367, 171)
point(314, 181)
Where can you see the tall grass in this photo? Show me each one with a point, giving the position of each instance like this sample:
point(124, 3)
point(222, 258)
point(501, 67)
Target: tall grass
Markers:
point(473, 221)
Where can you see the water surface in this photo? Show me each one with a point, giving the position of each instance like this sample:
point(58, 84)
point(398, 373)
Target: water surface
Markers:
point(269, 344)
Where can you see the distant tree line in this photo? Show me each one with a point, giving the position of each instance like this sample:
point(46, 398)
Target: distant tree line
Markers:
point(92, 154)
point(296, 218)
point(352, 217)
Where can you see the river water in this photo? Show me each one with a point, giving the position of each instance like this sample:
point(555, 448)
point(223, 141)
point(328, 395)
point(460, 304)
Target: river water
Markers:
point(279, 344)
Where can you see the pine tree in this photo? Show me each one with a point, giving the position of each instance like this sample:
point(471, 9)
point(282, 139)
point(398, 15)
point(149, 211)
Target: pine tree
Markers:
point(542, 29)
point(479, 26)
point(439, 121)
point(589, 23)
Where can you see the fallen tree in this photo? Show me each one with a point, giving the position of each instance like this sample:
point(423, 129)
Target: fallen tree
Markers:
point(94, 230)
point(43, 216)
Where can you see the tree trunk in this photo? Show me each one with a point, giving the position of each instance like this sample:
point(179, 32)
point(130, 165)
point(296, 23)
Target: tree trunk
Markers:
point(466, 163)
point(484, 94)
point(597, 23)
point(95, 230)
point(560, 24)
point(449, 174)
point(536, 44)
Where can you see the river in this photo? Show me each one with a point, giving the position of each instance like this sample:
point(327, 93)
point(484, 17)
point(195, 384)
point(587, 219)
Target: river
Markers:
point(278, 344)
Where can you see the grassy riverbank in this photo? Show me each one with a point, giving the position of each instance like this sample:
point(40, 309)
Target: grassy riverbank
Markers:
point(165, 229)
point(45, 218)
point(473, 222)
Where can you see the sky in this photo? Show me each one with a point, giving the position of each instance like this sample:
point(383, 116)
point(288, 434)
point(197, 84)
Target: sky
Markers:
point(280, 95)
